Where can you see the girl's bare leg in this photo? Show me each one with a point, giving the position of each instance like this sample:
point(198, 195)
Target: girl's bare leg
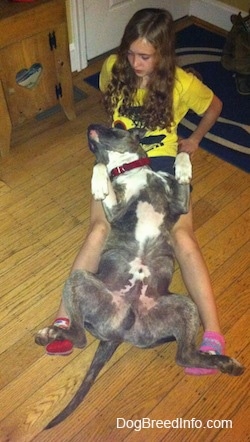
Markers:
point(196, 278)
point(87, 259)
point(194, 271)
point(89, 254)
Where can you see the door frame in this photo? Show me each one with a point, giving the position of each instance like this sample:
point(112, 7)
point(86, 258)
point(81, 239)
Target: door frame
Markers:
point(78, 54)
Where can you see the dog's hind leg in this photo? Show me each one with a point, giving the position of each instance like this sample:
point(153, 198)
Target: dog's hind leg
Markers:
point(187, 355)
point(103, 353)
point(53, 333)
point(177, 316)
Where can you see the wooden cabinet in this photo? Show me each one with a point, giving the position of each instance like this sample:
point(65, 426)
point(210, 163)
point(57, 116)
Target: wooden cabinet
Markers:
point(35, 72)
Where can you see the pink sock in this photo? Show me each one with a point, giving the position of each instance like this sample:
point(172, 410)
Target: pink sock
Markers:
point(61, 322)
point(213, 343)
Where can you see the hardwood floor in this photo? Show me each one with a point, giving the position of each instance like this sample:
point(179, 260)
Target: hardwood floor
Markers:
point(44, 202)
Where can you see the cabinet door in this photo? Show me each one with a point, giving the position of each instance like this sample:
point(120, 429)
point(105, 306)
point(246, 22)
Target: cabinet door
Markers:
point(29, 77)
point(63, 70)
point(5, 124)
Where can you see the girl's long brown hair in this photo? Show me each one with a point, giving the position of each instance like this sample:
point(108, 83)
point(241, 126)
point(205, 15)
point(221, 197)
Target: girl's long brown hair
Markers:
point(156, 26)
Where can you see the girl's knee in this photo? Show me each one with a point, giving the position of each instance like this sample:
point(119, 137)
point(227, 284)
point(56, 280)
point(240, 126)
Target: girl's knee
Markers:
point(184, 239)
point(99, 230)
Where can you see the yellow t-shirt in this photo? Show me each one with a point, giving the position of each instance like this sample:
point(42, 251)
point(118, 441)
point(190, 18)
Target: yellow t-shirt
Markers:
point(189, 93)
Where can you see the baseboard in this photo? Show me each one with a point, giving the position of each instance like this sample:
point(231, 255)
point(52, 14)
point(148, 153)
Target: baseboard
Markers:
point(214, 12)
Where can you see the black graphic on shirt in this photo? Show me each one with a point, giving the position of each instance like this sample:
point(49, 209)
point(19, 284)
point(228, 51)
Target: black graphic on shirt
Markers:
point(148, 142)
point(134, 114)
point(152, 142)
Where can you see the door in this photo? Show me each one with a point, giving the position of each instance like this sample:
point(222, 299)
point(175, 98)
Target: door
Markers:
point(105, 20)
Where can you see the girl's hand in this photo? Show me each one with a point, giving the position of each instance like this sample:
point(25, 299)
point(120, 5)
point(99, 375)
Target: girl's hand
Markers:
point(191, 144)
point(187, 145)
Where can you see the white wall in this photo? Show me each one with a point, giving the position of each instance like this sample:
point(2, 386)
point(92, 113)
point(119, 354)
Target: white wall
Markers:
point(86, 20)
point(211, 11)
point(214, 12)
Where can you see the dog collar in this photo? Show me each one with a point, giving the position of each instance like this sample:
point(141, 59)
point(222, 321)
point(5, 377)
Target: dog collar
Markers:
point(129, 166)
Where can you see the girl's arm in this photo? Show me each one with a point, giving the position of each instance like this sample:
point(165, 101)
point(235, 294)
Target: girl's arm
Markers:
point(191, 144)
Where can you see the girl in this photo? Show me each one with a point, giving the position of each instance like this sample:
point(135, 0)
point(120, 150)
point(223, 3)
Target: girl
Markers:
point(143, 87)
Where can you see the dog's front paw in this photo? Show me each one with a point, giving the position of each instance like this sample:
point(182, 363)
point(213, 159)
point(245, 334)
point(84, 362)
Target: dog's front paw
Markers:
point(183, 168)
point(99, 182)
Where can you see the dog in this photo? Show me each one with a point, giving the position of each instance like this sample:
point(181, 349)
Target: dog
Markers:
point(129, 299)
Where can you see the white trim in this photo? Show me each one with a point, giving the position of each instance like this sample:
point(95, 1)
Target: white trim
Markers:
point(74, 59)
point(214, 12)
point(78, 55)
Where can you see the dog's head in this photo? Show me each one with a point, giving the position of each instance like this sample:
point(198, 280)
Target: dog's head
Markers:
point(116, 146)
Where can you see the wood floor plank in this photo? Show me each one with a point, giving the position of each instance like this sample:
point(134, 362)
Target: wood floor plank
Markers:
point(126, 376)
point(220, 219)
point(55, 391)
point(228, 273)
point(227, 242)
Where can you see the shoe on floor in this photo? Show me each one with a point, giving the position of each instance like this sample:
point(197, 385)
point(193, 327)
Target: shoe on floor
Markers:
point(60, 348)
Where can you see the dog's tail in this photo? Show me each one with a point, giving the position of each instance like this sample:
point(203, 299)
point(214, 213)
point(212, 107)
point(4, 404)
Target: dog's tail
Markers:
point(103, 353)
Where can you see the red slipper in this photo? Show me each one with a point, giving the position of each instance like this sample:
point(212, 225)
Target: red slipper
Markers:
point(60, 348)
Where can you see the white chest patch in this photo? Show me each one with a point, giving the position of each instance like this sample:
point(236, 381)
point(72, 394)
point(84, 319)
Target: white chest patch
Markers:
point(149, 222)
point(133, 184)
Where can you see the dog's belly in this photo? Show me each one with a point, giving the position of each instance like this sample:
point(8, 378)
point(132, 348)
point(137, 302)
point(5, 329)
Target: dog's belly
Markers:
point(138, 272)
point(134, 318)
point(132, 247)
point(135, 267)
point(154, 322)
point(129, 319)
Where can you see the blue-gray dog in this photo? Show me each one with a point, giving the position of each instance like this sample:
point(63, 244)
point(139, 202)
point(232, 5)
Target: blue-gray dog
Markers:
point(129, 299)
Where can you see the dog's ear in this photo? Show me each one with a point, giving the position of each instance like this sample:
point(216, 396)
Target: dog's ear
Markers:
point(138, 133)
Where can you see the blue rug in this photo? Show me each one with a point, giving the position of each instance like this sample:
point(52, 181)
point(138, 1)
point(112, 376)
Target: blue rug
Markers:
point(229, 138)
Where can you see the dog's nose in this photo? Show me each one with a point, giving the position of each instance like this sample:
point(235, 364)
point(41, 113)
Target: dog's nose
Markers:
point(93, 135)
